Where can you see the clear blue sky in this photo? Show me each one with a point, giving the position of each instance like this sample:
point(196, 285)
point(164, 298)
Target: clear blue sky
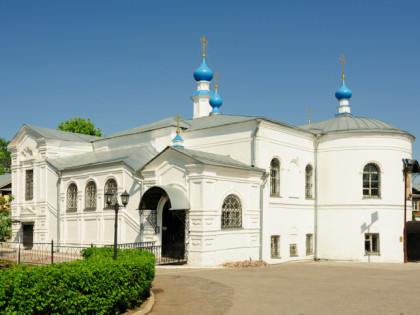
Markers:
point(126, 63)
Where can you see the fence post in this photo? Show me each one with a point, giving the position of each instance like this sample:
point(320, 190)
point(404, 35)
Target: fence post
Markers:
point(19, 252)
point(52, 252)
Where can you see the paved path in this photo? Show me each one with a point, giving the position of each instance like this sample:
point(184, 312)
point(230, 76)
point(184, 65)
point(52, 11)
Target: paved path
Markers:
point(292, 288)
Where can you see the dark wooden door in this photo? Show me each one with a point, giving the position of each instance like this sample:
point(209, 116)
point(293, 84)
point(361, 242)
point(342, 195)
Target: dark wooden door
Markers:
point(173, 233)
point(28, 235)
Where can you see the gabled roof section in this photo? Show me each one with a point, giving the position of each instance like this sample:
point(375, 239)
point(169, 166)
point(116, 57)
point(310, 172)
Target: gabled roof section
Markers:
point(55, 134)
point(5, 179)
point(62, 135)
point(210, 159)
point(134, 157)
point(194, 124)
point(217, 120)
point(164, 123)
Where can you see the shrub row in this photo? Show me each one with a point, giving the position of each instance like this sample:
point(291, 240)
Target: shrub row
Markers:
point(95, 285)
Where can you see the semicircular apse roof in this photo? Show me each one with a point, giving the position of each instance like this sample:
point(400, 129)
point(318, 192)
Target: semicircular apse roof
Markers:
point(349, 123)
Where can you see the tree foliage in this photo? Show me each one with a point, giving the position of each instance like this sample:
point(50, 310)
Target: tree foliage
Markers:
point(5, 158)
point(80, 125)
point(5, 218)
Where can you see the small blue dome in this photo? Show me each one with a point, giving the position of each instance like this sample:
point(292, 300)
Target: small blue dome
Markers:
point(343, 92)
point(177, 138)
point(215, 102)
point(203, 73)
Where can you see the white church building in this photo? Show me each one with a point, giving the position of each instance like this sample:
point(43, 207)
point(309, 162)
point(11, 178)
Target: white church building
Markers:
point(220, 187)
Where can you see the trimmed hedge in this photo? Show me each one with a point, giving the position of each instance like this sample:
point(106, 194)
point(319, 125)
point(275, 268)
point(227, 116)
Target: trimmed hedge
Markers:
point(95, 285)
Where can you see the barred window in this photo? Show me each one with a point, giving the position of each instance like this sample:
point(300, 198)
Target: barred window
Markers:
point(29, 185)
point(309, 244)
point(308, 182)
point(111, 185)
point(231, 212)
point(372, 243)
point(293, 250)
point(90, 196)
point(275, 246)
point(371, 181)
point(275, 178)
point(72, 197)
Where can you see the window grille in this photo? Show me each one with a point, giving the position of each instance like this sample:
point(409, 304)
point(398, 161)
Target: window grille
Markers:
point(72, 197)
point(275, 246)
point(372, 243)
point(275, 178)
point(308, 182)
point(231, 212)
point(309, 244)
point(90, 196)
point(293, 250)
point(29, 185)
point(111, 185)
point(371, 181)
point(415, 205)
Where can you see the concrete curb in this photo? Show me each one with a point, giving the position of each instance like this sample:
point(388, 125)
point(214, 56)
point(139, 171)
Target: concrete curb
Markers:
point(147, 306)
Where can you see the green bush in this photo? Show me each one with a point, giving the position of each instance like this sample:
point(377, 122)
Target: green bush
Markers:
point(95, 285)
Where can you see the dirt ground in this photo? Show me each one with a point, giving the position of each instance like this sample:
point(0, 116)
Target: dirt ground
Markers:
point(293, 288)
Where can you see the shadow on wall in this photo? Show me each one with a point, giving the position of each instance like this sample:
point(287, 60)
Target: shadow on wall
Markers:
point(371, 240)
point(366, 227)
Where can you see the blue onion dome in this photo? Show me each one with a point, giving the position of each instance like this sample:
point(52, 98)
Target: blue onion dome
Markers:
point(343, 92)
point(203, 73)
point(177, 137)
point(216, 100)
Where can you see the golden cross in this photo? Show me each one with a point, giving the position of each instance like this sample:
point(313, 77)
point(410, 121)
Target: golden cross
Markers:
point(204, 42)
point(216, 76)
point(343, 62)
point(178, 118)
point(309, 115)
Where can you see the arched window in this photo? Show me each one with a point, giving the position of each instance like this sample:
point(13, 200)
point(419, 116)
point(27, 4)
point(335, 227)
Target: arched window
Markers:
point(90, 196)
point(308, 181)
point(231, 212)
point(72, 197)
point(371, 181)
point(111, 185)
point(275, 178)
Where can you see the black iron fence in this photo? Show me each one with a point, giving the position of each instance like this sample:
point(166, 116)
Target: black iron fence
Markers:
point(49, 253)
point(170, 254)
point(40, 253)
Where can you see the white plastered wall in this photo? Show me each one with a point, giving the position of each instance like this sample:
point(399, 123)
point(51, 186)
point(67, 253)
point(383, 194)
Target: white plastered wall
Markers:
point(97, 226)
point(344, 214)
point(289, 215)
point(207, 186)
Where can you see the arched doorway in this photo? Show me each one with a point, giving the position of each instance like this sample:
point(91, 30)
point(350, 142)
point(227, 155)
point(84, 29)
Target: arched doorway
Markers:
point(166, 210)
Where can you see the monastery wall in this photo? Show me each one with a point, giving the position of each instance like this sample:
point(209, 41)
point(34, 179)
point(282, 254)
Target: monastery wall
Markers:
point(346, 216)
point(288, 218)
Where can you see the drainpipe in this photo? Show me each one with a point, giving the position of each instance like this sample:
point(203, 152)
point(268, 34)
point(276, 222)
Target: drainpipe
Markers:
point(253, 142)
point(318, 136)
point(264, 181)
point(58, 207)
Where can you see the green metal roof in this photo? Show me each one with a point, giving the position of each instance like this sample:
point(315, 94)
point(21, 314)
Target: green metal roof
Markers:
point(61, 135)
point(216, 120)
point(5, 179)
point(135, 157)
point(215, 159)
point(349, 123)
